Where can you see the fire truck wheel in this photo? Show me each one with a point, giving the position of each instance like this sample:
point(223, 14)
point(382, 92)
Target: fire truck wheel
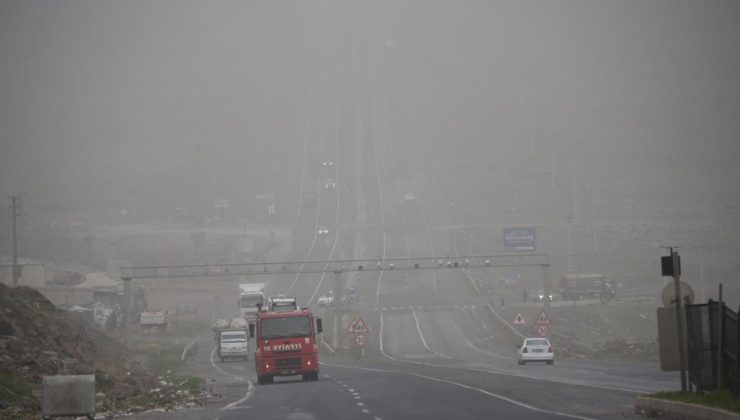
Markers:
point(315, 376)
point(307, 377)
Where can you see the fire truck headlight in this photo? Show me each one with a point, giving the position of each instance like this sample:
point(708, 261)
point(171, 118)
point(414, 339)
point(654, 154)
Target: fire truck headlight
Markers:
point(267, 365)
point(309, 363)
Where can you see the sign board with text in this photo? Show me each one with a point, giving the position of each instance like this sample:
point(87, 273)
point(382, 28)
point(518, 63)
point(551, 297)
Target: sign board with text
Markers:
point(520, 239)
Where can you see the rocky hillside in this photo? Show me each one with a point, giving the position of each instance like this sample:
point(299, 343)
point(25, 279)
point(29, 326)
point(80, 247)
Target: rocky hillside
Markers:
point(37, 339)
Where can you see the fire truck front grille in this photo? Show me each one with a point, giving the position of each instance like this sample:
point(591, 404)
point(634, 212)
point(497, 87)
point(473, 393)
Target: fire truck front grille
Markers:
point(292, 363)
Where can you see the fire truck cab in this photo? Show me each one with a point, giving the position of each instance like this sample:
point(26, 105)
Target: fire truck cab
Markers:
point(286, 345)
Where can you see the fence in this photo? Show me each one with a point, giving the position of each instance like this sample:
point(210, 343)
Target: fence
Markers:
point(713, 333)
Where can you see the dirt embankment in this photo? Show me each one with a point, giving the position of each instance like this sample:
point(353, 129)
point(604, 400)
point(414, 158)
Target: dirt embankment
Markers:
point(38, 339)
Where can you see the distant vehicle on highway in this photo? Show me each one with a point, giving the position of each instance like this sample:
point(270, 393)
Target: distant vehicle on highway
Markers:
point(535, 350)
point(233, 343)
point(541, 297)
point(409, 196)
point(323, 231)
point(576, 286)
point(328, 163)
point(326, 300)
point(330, 184)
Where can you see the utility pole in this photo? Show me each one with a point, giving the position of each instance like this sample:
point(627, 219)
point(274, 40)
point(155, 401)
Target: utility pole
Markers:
point(570, 246)
point(671, 266)
point(15, 207)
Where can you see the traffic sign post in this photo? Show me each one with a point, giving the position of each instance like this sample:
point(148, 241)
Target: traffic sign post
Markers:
point(519, 320)
point(671, 266)
point(361, 340)
point(358, 326)
point(542, 318)
point(542, 330)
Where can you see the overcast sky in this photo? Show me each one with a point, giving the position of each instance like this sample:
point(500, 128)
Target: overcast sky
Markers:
point(96, 97)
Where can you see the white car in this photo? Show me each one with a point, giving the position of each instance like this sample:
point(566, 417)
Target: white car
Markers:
point(323, 231)
point(535, 350)
point(330, 184)
point(409, 196)
point(326, 300)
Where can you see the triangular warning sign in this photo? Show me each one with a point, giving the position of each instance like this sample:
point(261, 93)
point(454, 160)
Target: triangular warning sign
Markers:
point(358, 326)
point(542, 318)
point(519, 320)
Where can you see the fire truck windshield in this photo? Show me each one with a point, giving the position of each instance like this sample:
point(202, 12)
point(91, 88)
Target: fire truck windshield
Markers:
point(294, 326)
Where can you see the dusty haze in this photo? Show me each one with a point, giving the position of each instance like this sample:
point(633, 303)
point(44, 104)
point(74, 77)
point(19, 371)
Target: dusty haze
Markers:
point(623, 114)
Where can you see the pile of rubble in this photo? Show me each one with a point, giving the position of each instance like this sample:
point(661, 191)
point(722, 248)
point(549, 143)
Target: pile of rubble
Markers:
point(38, 339)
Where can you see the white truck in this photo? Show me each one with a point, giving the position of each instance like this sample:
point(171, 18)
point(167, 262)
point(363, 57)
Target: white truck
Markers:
point(233, 343)
point(251, 297)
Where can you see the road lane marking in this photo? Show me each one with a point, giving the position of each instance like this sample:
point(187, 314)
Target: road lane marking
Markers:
point(213, 363)
point(382, 351)
point(248, 395)
point(423, 341)
point(473, 310)
point(187, 348)
point(506, 373)
point(250, 385)
point(468, 387)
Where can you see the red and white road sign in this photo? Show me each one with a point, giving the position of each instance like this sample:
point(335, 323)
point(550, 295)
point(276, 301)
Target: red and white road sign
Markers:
point(542, 330)
point(542, 318)
point(519, 320)
point(360, 340)
point(358, 326)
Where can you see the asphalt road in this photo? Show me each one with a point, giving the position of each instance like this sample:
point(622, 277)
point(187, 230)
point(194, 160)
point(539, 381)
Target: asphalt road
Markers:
point(434, 349)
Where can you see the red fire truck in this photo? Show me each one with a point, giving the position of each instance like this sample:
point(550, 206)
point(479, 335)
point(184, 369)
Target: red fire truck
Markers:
point(286, 345)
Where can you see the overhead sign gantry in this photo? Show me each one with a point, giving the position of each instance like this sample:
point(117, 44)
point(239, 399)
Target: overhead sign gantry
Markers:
point(333, 266)
point(306, 267)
